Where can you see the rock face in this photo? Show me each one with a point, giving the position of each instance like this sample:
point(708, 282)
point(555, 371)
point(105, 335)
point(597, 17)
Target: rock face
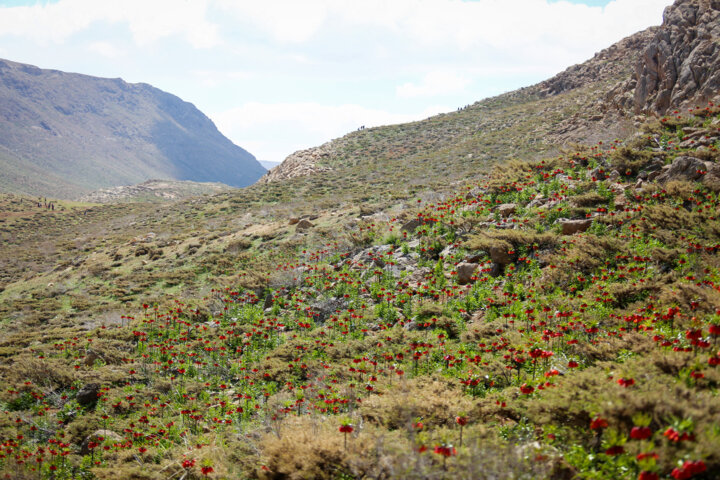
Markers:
point(679, 66)
point(65, 134)
point(607, 64)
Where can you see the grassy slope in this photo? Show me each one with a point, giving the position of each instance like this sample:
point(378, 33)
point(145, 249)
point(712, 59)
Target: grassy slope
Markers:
point(264, 392)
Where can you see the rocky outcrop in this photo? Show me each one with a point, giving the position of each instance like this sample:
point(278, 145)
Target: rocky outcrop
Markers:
point(609, 64)
point(507, 209)
point(692, 169)
point(679, 67)
point(411, 225)
point(299, 164)
point(571, 227)
point(303, 225)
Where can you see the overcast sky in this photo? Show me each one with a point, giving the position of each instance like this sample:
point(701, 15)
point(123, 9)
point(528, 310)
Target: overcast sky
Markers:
point(277, 76)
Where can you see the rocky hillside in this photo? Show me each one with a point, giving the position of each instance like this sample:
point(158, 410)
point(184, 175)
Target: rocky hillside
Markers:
point(678, 67)
point(65, 134)
point(555, 319)
point(153, 191)
point(671, 66)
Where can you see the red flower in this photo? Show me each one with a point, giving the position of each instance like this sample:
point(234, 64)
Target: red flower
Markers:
point(615, 450)
point(598, 423)
point(640, 433)
point(462, 421)
point(445, 450)
point(626, 382)
point(572, 364)
point(526, 389)
point(346, 428)
point(688, 469)
point(648, 476)
point(207, 470)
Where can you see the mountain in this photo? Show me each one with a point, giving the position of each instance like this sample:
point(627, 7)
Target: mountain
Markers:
point(663, 68)
point(65, 134)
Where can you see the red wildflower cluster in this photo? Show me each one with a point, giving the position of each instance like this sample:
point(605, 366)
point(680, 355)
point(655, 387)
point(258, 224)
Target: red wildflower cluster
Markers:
point(626, 382)
point(688, 469)
point(640, 433)
point(445, 450)
point(676, 437)
point(598, 423)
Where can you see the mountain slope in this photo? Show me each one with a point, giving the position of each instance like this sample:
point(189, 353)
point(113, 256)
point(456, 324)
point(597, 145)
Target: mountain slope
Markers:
point(65, 134)
point(674, 65)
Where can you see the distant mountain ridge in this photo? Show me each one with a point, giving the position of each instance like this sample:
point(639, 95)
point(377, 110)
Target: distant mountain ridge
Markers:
point(67, 134)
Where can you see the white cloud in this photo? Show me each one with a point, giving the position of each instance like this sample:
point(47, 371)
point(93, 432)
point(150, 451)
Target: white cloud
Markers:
point(106, 49)
point(147, 21)
point(273, 131)
point(287, 21)
point(434, 83)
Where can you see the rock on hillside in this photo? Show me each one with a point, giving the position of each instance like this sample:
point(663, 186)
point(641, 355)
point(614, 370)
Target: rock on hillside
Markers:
point(679, 66)
point(66, 134)
point(605, 65)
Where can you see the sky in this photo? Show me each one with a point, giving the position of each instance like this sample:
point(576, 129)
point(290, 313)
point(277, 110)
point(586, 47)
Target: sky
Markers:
point(277, 76)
